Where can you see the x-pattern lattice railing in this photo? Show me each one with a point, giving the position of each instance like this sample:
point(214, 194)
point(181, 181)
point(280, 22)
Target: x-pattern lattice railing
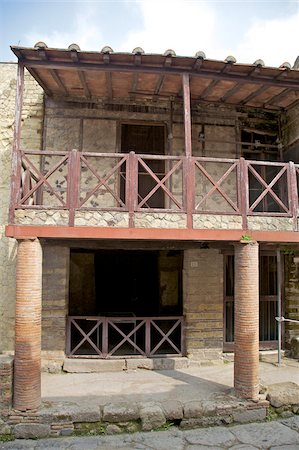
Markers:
point(160, 183)
point(33, 180)
point(109, 337)
point(77, 181)
point(104, 178)
point(217, 185)
point(266, 182)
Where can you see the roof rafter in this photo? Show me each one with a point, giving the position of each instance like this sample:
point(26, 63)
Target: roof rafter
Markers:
point(42, 54)
point(254, 94)
point(75, 58)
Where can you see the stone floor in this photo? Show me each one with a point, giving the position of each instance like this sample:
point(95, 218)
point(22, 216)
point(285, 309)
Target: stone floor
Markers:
point(193, 383)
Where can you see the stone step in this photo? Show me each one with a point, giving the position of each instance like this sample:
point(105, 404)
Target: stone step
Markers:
point(88, 365)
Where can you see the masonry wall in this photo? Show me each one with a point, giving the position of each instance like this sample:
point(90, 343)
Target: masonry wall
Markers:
point(203, 303)
point(55, 297)
point(32, 119)
point(291, 297)
point(290, 134)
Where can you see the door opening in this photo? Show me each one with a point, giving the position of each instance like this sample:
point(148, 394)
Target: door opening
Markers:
point(145, 139)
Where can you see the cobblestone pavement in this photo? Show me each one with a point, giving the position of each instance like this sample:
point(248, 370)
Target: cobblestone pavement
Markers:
point(282, 434)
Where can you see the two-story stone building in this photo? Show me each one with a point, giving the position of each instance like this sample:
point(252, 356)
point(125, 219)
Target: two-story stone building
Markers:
point(154, 200)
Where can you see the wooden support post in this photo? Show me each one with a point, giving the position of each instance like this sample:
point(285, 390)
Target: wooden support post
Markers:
point(27, 364)
point(293, 194)
point(189, 180)
point(73, 187)
point(132, 187)
point(243, 191)
point(16, 156)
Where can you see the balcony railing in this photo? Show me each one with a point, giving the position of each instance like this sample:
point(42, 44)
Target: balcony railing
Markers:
point(114, 337)
point(136, 183)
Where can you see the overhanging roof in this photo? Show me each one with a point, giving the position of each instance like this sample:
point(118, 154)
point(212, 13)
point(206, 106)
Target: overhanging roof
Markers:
point(75, 74)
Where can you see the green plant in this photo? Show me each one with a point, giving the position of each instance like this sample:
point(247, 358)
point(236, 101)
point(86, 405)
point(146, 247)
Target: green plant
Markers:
point(246, 237)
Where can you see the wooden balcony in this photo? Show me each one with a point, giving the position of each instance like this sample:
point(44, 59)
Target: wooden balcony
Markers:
point(124, 190)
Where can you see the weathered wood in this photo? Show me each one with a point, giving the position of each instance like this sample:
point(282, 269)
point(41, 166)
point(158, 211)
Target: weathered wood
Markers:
point(187, 114)
point(243, 195)
point(74, 167)
point(116, 67)
point(254, 94)
point(293, 193)
point(231, 92)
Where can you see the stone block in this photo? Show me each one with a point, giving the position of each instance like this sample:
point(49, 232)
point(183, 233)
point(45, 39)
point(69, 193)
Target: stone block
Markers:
point(120, 412)
point(92, 365)
point(193, 409)
point(152, 417)
point(283, 394)
point(249, 415)
point(31, 431)
point(294, 350)
point(173, 409)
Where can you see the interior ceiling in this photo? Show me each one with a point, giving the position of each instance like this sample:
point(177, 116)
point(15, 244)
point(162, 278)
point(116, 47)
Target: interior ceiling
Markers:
point(82, 75)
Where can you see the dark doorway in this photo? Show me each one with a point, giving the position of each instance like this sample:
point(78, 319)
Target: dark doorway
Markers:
point(125, 303)
point(145, 139)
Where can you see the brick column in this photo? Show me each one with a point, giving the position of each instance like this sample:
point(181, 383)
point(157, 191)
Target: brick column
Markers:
point(246, 365)
point(27, 365)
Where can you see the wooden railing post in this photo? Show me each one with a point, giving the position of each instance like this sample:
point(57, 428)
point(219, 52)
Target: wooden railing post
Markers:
point(73, 185)
point(189, 189)
point(293, 193)
point(16, 155)
point(243, 191)
point(189, 179)
point(132, 187)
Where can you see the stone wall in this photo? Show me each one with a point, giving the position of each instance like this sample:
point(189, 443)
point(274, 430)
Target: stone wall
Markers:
point(6, 380)
point(32, 120)
point(290, 134)
point(203, 303)
point(291, 276)
point(55, 305)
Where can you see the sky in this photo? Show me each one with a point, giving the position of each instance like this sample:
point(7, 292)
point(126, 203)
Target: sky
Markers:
point(248, 30)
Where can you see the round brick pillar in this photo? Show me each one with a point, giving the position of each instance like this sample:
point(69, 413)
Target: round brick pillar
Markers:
point(246, 360)
point(27, 364)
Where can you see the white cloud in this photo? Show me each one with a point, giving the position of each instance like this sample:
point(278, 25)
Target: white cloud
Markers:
point(86, 32)
point(275, 41)
point(182, 25)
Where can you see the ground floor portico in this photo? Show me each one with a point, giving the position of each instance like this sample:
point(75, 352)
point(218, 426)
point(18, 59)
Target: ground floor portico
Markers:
point(104, 300)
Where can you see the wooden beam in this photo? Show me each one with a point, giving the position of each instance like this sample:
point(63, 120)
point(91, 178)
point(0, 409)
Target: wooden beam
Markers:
point(231, 92)
point(208, 89)
point(168, 62)
point(137, 61)
point(40, 81)
point(254, 94)
point(244, 79)
point(109, 85)
point(148, 234)
point(187, 114)
point(58, 81)
point(43, 56)
point(278, 97)
point(75, 58)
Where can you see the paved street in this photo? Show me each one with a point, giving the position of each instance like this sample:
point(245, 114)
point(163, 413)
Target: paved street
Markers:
point(283, 434)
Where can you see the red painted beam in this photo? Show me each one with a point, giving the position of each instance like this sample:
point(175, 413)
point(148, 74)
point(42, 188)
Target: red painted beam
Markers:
point(63, 232)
